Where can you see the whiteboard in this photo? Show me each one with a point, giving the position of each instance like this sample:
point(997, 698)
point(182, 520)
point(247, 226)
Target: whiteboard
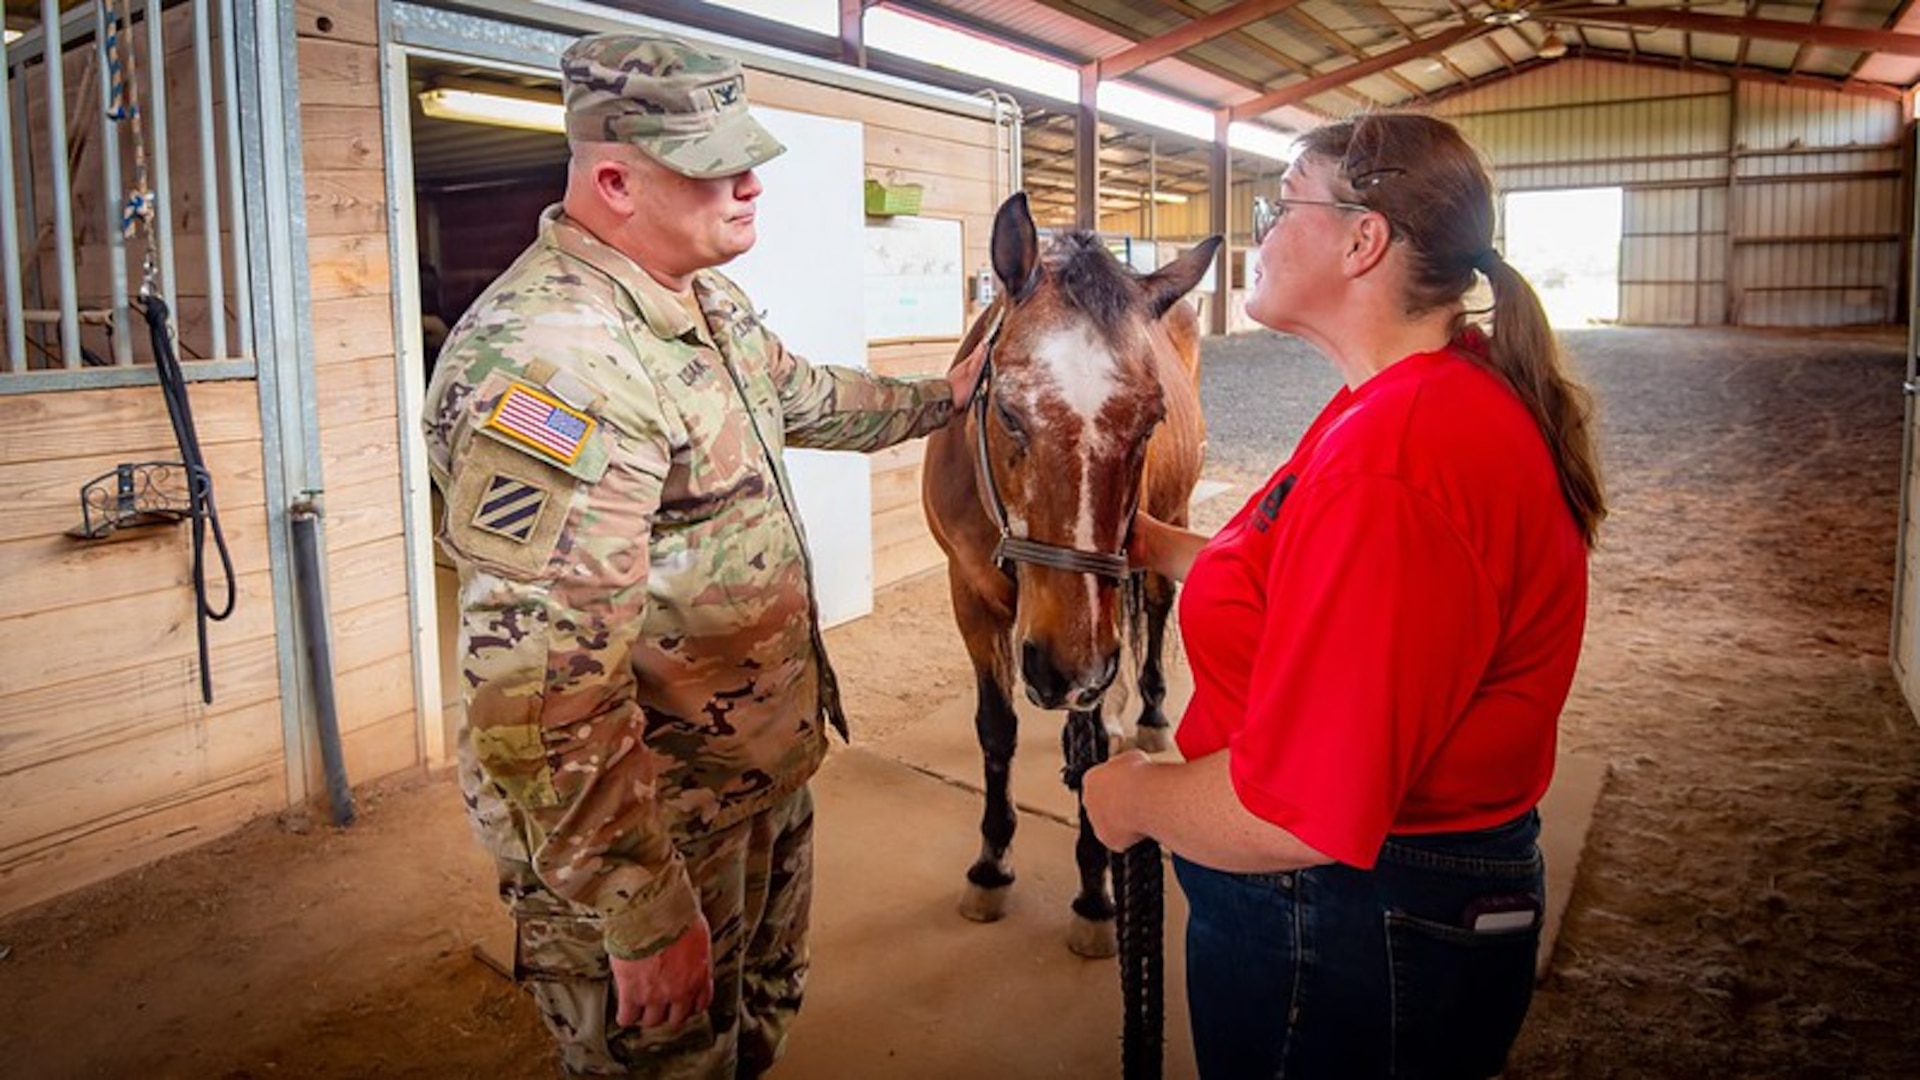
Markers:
point(804, 277)
point(915, 280)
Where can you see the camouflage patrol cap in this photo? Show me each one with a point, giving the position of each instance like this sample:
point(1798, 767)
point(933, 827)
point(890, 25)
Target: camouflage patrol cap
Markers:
point(684, 108)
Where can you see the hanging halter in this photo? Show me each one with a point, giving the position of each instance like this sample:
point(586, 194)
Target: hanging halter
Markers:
point(1010, 548)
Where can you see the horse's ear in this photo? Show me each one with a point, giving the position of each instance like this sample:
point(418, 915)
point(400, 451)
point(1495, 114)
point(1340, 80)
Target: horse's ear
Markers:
point(1016, 246)
point(1174, 280)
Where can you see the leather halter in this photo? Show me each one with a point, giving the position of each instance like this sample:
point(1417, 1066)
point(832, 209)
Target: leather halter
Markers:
point(1010, 548)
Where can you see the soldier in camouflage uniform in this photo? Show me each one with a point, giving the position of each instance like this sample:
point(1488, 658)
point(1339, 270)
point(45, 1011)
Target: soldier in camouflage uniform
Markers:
point(646, 691)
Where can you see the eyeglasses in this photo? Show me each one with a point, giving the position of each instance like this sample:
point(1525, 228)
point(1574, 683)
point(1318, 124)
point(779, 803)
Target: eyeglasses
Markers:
point(1268, 212)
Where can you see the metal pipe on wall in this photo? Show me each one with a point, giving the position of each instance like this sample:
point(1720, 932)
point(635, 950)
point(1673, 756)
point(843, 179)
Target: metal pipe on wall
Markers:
point(310, 593)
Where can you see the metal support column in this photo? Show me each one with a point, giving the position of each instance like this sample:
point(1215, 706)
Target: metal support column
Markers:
point(1220, 181)
point(1086, 152)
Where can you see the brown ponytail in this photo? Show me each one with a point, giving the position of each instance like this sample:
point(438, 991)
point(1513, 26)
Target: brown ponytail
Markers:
point(1522, 349)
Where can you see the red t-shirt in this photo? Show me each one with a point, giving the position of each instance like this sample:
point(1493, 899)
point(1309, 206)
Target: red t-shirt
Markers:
point(1383, 637)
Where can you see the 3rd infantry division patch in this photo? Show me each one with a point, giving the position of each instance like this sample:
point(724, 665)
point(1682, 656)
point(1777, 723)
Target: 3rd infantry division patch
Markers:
point(510, 508)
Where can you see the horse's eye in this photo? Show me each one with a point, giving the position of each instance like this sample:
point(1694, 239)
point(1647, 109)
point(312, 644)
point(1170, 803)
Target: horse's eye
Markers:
point(1011, 422)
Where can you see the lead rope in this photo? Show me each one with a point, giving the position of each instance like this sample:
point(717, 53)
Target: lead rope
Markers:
point(1139, 919)
point(136, 215)
point(138, 209)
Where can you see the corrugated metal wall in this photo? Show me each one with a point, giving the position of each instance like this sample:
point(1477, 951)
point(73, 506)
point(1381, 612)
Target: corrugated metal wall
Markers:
point(1748, 203)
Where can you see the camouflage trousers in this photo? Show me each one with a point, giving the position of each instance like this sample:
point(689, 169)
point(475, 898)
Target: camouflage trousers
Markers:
point(755, 881)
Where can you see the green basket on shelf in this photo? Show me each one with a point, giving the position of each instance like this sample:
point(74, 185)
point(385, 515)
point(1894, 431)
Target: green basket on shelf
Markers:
point(887, 200)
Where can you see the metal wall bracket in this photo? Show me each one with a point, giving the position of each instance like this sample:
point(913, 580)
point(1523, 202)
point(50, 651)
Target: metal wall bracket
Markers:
point(133, 495)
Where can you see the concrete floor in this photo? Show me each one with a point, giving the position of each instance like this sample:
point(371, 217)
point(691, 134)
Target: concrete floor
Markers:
point(903, 986)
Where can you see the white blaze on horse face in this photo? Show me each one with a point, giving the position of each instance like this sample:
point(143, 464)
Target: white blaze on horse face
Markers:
point(1077, 369)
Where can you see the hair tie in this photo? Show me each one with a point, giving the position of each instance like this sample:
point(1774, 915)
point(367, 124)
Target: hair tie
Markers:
point(1484, 260)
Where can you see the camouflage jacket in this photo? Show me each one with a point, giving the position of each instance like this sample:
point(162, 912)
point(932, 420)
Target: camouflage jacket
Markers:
point(640, 652)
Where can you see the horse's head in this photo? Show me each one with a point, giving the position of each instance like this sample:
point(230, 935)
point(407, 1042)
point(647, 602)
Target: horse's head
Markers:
point(1071, 397)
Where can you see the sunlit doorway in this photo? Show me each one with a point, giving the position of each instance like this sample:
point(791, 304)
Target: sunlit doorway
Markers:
point(1567, 243)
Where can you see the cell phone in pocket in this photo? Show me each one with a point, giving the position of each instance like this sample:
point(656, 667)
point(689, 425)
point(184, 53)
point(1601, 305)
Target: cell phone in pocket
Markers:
point(1495, 913)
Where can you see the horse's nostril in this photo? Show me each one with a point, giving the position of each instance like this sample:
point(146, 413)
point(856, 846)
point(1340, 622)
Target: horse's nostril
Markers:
point(1045, 684)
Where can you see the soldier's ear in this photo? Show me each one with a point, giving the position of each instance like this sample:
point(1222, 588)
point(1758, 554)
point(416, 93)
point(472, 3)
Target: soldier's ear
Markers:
point(615, 183)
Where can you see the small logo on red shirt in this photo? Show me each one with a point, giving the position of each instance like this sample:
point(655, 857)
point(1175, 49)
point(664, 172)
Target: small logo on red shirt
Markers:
point(1270, 503)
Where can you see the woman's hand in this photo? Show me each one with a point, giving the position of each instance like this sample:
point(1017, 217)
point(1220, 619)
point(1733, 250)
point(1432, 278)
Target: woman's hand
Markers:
point(1168, 550)
point(1106, 792)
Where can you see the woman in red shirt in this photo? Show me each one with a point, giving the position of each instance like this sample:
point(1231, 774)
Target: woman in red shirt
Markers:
point(1381, 642)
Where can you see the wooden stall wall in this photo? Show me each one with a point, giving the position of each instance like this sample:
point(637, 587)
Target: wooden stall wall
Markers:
point(351, 281)
point(952, 158)
point(109, 758)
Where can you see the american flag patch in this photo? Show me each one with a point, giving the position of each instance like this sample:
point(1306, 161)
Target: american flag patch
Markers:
point(509, 508)
point(533, 418)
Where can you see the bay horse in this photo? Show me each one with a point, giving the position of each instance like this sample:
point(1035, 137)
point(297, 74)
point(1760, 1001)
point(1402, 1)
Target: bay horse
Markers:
point(1087, 407)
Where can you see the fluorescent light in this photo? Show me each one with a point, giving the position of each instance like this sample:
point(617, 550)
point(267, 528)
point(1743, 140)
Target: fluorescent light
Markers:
point(895, 32)
point(15, 35)
point(1173, 198)
point(919, 39)
point(502, 110)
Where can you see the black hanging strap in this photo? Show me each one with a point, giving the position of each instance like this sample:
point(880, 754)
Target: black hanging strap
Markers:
point(200, 508)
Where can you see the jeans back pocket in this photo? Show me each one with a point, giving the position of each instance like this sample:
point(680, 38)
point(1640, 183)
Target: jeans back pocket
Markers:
point(1459, 994)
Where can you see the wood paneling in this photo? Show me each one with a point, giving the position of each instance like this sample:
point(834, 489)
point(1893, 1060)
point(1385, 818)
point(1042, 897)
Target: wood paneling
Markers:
point(92, 716)
point(338, 73)
point(351, 328)
point(42, 498)
point(90, 851)
point(341, 203)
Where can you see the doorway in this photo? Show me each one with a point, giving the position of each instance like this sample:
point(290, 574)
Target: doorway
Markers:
point(1567, 243)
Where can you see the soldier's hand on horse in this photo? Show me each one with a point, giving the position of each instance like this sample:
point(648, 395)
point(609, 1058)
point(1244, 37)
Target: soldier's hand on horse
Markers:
point(963, 375)
point(670, 987)
point(1104, 794)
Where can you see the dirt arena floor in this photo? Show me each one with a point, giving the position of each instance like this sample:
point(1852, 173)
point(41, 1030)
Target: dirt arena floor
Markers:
point(1745, 908)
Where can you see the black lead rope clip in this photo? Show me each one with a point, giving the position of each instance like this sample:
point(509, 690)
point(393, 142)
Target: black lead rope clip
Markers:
point(135, 494)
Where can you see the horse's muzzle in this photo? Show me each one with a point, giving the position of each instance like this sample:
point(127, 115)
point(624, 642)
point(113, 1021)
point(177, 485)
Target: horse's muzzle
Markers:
point(1051, 688)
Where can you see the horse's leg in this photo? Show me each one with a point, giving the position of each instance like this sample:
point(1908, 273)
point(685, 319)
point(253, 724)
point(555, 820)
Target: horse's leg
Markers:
point(1083, 744)
point(992, 874)
point(1153, 735)
point(983, 627)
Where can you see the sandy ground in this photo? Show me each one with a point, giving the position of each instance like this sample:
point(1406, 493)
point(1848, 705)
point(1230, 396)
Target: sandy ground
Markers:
point(1745, 907)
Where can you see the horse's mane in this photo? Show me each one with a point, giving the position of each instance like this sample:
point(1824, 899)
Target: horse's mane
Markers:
point(1092, 280)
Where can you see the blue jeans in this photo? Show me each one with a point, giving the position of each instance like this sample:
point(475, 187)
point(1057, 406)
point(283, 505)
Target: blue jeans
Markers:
point(1420, 967)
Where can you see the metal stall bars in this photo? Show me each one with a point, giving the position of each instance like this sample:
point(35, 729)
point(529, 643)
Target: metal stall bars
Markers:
point(44, 136)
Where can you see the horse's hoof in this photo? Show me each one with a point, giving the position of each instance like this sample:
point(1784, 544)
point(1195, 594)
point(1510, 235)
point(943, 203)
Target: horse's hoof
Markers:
point(1154, 740)
point(1092, 938)
point(983, 904)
